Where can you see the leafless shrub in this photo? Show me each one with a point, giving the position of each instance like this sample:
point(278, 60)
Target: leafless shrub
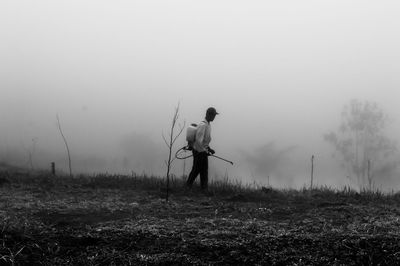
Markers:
point(172, 137)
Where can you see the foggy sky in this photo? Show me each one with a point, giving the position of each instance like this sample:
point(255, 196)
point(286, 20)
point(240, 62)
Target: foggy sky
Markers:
point(277, 71)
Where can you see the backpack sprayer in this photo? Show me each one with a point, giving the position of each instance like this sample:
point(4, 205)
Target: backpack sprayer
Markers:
point(190, 138)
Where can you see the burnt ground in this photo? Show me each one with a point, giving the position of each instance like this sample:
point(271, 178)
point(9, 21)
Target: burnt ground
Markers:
point(90, 223)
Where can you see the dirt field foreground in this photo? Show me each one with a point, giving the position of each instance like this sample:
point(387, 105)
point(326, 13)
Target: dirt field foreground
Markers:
point(111, 220)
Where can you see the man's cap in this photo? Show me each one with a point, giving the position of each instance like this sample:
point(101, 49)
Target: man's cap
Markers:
point(212, 110)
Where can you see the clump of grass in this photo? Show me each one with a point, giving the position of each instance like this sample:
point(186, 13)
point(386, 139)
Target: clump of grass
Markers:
point(13, 235)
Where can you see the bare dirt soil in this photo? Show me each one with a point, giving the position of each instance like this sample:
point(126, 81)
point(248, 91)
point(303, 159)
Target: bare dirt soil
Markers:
point(55, 221)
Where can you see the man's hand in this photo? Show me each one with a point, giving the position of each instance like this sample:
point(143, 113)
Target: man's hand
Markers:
point(211, 151)
point(188, 148)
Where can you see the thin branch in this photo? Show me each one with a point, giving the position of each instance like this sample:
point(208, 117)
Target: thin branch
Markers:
point(165, 140)
point(179, 133)
point(66, 145)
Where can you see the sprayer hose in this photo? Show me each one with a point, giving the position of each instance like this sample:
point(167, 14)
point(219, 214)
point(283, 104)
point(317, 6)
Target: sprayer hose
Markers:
point(178, 152)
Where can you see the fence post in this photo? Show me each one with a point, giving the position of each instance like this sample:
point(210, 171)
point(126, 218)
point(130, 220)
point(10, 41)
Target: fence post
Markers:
point(53, 168)
point(312, 171)
point(369, 175)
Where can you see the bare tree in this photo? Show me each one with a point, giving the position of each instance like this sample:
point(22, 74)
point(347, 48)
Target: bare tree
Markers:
point(173, 136)
point(360, 140)
point(66, 145)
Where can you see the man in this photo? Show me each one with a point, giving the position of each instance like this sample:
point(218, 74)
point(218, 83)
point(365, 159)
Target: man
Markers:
point(201, 150)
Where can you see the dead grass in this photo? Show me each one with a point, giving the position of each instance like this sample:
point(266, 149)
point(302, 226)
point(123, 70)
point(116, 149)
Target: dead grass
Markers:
point(124, 220)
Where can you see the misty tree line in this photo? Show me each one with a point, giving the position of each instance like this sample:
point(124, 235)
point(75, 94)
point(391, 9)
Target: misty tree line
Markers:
point(360, 143)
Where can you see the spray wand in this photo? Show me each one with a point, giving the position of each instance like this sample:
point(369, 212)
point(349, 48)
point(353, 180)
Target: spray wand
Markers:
point(179, 155)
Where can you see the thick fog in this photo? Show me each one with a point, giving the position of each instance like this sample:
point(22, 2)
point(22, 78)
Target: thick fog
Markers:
point(278, 72)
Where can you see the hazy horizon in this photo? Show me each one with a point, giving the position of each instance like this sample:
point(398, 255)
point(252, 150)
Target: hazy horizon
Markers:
point(279, 73)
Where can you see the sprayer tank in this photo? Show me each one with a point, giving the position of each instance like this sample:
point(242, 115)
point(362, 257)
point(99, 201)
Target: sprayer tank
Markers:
point(191, 133)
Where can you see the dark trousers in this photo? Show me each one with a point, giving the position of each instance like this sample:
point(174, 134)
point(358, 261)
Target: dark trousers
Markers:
point(200, 166)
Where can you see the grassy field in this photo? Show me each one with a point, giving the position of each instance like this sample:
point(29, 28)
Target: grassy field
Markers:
point(125, 220)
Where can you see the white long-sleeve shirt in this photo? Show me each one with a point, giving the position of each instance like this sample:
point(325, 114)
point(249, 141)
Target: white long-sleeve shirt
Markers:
point(203, 136)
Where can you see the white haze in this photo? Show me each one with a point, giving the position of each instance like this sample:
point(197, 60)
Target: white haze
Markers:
point(279, 72)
